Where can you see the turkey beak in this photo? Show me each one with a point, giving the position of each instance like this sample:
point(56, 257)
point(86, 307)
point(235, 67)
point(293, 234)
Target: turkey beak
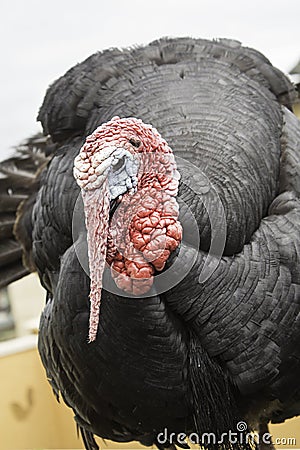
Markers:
point(113, 206)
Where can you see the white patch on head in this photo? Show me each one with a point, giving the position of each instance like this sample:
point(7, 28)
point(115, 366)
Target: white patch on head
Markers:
point(115, 163)
point(122, 176)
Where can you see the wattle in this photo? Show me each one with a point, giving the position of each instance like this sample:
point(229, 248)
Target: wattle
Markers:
point(145, 231)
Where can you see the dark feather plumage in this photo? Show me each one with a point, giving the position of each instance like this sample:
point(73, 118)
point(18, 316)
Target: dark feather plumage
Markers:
point(199, 357)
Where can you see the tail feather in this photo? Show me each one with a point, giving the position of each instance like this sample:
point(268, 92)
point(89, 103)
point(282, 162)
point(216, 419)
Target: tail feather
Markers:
point(19, 182)
point(6, 225)
point(10, 202)
point(12, 272)
point(10, 251)
point(18, 177)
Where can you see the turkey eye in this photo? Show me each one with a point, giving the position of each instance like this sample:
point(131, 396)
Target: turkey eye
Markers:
point(135, 142)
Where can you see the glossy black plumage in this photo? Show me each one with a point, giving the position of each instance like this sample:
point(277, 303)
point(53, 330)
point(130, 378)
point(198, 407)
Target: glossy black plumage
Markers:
point(199, 357)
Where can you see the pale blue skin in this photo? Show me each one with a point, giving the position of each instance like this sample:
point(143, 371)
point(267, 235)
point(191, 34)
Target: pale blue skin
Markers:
point(122, 174)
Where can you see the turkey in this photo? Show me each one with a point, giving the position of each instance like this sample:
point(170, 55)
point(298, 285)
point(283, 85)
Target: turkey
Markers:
point(160, 208)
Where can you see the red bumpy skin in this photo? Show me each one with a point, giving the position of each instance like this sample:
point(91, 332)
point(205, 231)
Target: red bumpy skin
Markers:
point(144, 229)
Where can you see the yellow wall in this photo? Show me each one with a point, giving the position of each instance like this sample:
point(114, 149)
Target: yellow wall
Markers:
point(30, 417)
point(27, 298)
point(296, 109)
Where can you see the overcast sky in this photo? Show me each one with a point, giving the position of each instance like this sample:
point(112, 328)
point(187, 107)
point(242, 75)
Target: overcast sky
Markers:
point(41, 40)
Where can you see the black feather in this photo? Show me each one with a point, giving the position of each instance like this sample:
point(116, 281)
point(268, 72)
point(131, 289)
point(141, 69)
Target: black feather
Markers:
point(88, 439)
point(214, 399)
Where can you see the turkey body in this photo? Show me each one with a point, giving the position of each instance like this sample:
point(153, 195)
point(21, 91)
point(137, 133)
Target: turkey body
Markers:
point(198, 356)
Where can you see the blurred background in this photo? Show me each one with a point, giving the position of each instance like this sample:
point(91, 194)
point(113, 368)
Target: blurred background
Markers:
point(39, 42)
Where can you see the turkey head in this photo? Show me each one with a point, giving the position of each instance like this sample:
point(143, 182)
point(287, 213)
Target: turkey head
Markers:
point(129, 182)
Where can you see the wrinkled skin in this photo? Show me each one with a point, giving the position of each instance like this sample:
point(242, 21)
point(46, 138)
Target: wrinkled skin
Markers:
point(145, 230)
